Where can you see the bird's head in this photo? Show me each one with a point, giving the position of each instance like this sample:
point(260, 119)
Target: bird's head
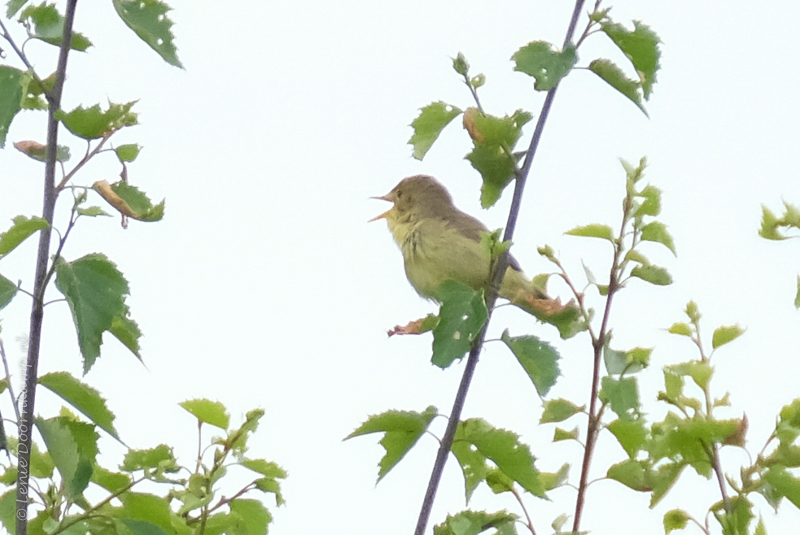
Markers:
point(414, 197)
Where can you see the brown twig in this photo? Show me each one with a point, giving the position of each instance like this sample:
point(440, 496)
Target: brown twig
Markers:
point(43, 256)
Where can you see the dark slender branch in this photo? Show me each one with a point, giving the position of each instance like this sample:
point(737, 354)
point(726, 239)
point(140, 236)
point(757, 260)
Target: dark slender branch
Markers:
point(499, 271)
point(43, 255)
point(21, 54)
point(598, 343)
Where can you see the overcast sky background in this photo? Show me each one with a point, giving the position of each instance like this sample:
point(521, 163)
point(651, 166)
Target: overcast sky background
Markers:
point(264, 285)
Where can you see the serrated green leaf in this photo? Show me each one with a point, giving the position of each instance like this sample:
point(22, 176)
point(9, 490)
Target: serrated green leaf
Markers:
point(83, 397)
point(127, 331)
point(402, 430)
point(474, 468)
point(594, 230)
point(784, 483)
point(496, 169)
point(271, 472)
point(141, 527)
point(95, 291)
point(429, 124)
point(160, 457)
point(14, 6)
point(146, 508)
point(22, 228)
point(554, 480)
point(11, 93)
point(547, 66)
point(640, 46)
point(475, 522)
point(147, 18)
point(769, 225)
point(622, 396)
point(94, 123)
point(725, 334)
point(506, 451)
point(613, 76)
point(73, 447)
point(631, 473)
point(129, 201)
point(47, 24)
point(630, 434)
point(37, 151)
point(207, 411)
point(558, 410)
point(663, 479)
point(538, 358)
point(255, 517)
point(111, 481)
point(675, 519)
point(497, 481)
point(8, 290)
point(656, 231)
point(461, 318)
point(652, 274)
point(680, 328)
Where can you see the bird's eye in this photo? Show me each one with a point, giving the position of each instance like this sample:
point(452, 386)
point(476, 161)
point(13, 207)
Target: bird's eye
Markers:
point(399, 194)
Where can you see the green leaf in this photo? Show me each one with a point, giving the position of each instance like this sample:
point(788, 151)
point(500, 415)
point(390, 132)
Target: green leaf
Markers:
point(492, 156)
point(675, 519)
point(497, 481)
point(613, 76)
point(652, 274)
point(402, 430)
point(651, 205)
point(7, 291)
point(11, 93)
point(14, 6)
point(73, 447)
point(797, 295)
point(562, 434)
point(92, 211)
point(725, 334)
point(140, 527)
point(539, 360)
point(160, 457)
point(94, 123)
point(656, 231)
point(506, 451)
point(271, 472)
point(147, 18)
point(641, 47)
point(145, 508)
point(95, 291)
point(429, 124)
point(769, 225)
point(473, 466)
point(554, 480)
point(475, 522)
point(621, 395)
point(595, 230)
point(630, 434)
point(680, 328)
point(8, 509)
point(111, 481)
point(255, 517)
point(19, 232)
point(127, 331)
point(48, 25)
point(462, 315)
point(83, 397)
point(558, 410)
point(129, 201)
point(207, 411)
point(548, 67)
point(38, 152)
point(631, 473)
point(128, 153)
point(784, 483)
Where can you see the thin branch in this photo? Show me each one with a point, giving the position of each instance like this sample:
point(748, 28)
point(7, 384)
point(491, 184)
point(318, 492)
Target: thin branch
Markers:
point(88, 156)
point(499, 271)
point(598, 343)
point(90, 512)
point(528, 523)
point(40, 284)
point(21, 54)
point(8, 381)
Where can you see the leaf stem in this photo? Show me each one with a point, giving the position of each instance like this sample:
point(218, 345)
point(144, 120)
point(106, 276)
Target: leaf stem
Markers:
point(40, 284)
point(491, 297)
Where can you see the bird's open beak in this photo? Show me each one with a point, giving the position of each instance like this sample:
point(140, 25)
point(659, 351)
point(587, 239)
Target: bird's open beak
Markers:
point(386, 213)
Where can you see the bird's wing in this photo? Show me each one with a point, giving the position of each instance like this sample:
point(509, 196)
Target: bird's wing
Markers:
point(472, 228)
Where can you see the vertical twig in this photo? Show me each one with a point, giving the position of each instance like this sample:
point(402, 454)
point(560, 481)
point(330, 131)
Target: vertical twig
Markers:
point(500, 268)
point(40, 281)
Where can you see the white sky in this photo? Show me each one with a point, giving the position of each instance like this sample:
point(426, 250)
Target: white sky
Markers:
point(265, 287)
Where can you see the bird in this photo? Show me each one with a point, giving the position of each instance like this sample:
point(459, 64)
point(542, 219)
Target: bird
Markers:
point(439, 243)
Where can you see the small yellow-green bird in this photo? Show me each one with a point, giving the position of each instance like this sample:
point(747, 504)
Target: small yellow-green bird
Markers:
point(439, 242)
